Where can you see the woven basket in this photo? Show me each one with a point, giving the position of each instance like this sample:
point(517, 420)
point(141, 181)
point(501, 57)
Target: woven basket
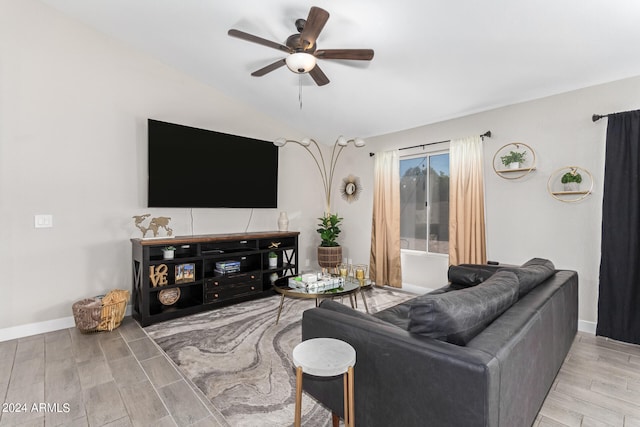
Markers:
point(87, 314)
point(106, 314)
point(114, 305)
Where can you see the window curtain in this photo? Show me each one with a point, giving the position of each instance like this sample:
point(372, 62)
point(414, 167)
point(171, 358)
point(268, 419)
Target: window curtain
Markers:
point(467, 241)
point(384, 264)
point(619, 298)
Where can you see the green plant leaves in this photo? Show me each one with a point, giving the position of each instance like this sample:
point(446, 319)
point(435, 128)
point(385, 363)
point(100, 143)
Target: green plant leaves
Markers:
point(329, 229)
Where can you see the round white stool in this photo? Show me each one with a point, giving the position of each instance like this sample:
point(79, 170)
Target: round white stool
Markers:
point(325, 357)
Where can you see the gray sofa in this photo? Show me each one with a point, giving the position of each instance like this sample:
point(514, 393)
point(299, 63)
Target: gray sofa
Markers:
point(434, 361)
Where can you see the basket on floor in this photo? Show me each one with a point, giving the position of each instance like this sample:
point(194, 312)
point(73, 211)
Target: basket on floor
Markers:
point(106, 314)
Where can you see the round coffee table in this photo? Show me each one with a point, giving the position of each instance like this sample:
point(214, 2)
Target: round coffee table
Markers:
point(351, 287)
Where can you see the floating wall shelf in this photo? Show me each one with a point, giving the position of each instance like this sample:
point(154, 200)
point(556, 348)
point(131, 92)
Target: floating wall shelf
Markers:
point(557, 189)
point(523, 169)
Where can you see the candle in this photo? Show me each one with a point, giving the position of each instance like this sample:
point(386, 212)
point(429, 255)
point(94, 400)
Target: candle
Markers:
point(359, 274)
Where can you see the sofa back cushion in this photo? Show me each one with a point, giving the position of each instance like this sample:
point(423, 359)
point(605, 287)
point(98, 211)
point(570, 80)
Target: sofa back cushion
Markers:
point(465, 276)
point(532, 273)
point(458, 316)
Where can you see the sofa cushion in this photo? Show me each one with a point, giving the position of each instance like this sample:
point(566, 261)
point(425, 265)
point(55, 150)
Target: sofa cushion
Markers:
point(464, 276)
point(458, 316)
point(532, 273)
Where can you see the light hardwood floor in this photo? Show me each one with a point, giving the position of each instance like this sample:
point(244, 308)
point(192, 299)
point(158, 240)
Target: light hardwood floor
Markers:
point(116, 379)
point(123, 379)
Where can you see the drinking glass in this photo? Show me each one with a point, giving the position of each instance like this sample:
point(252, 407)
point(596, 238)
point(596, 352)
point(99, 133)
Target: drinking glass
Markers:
point(343, 269)
point(360, 272)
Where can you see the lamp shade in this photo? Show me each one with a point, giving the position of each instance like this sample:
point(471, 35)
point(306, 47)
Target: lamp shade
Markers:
point(305, 142)
point(342, 141)
point(300, 62)
point(359, 142)
point(279, 142)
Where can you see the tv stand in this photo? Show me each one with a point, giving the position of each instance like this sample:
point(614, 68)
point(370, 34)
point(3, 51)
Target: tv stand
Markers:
point(189, 283)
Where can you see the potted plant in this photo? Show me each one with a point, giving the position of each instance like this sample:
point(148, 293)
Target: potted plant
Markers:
point(273, 260)
point(571, 180)
point(514, 159)
point(329, 251)
point(168, 252)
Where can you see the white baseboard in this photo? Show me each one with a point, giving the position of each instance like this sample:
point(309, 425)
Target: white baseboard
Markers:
point(587, 326)
point(30, 329)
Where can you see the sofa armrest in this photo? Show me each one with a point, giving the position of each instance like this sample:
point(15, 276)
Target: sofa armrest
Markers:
point(405, 379)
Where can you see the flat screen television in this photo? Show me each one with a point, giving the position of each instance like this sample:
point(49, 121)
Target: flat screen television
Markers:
point(198, 168)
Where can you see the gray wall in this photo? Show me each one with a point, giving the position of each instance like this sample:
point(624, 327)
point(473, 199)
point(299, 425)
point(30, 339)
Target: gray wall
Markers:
point(523, 220)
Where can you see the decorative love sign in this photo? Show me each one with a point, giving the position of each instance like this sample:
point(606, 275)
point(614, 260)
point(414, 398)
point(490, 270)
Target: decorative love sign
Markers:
point(158, 275)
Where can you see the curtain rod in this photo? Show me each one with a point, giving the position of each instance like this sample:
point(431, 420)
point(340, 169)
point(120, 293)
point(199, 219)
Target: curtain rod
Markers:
point(486, 134)
point(597, 117)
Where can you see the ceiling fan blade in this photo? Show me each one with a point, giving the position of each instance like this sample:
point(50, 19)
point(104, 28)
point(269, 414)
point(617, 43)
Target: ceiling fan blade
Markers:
point(354, 54)
point(315, 23)
point(318, 76)
point(259, 40)
point(269, 68)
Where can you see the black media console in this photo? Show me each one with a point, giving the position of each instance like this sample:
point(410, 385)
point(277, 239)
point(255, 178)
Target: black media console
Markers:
point(189, 283)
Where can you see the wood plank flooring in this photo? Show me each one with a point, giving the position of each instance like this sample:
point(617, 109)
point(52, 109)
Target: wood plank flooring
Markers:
point(122, 378)
point(116, 379)
point(598, 385)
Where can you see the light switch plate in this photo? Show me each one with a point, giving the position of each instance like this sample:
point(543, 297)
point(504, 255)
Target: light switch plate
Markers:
point(43, 221)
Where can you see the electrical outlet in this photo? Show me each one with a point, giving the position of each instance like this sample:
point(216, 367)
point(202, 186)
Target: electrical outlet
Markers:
point(43, 221)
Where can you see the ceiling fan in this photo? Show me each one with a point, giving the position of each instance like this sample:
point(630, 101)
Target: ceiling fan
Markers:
point(302, 49)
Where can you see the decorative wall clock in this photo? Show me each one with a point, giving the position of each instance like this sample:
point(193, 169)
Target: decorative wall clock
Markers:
point(350, 188)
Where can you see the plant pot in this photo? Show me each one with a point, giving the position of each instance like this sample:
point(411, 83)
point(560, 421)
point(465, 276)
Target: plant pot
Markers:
point(514, 165)
point(167, 254)
point(329, 256)
point(273, 262)
point(571, 186)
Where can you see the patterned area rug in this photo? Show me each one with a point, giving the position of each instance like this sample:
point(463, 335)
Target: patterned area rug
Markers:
point(241, 360)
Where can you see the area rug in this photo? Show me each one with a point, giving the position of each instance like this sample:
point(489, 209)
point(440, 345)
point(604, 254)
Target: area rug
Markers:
point(241, 360)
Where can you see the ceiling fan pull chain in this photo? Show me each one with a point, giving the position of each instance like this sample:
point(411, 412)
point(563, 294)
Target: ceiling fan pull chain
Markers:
point(300, 90)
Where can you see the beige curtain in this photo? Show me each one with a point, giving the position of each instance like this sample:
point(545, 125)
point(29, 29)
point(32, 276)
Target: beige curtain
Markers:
point(467, 242)
point(384, 264)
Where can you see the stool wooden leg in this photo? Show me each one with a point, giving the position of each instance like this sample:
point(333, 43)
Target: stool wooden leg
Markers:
point(352, 406)
point(297, 422)
point(335, 419)
point(345, 380)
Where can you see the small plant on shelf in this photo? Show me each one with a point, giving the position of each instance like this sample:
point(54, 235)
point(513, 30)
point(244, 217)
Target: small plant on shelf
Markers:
point(571, 180)
point(273, 259)
point(168, 251)
point(572, 176)
point(514, 158)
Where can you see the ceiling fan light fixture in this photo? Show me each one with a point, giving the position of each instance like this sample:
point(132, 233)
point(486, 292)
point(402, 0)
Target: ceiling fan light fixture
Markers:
point(300, 62)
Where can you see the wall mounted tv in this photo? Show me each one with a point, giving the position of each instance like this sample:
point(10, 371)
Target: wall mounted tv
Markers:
point(198, 168)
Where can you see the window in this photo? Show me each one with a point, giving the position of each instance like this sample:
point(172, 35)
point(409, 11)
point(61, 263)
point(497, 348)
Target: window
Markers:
point(424, 203)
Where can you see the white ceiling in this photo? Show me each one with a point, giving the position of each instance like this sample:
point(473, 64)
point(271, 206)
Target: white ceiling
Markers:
point(434, 59)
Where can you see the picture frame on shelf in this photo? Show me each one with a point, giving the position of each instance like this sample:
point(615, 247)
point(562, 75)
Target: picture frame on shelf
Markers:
point(185, 273)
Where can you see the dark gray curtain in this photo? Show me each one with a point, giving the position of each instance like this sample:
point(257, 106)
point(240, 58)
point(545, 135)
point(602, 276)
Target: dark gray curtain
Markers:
point(619, 300)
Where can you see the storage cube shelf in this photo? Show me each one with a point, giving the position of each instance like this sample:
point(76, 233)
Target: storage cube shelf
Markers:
point(193, 270)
